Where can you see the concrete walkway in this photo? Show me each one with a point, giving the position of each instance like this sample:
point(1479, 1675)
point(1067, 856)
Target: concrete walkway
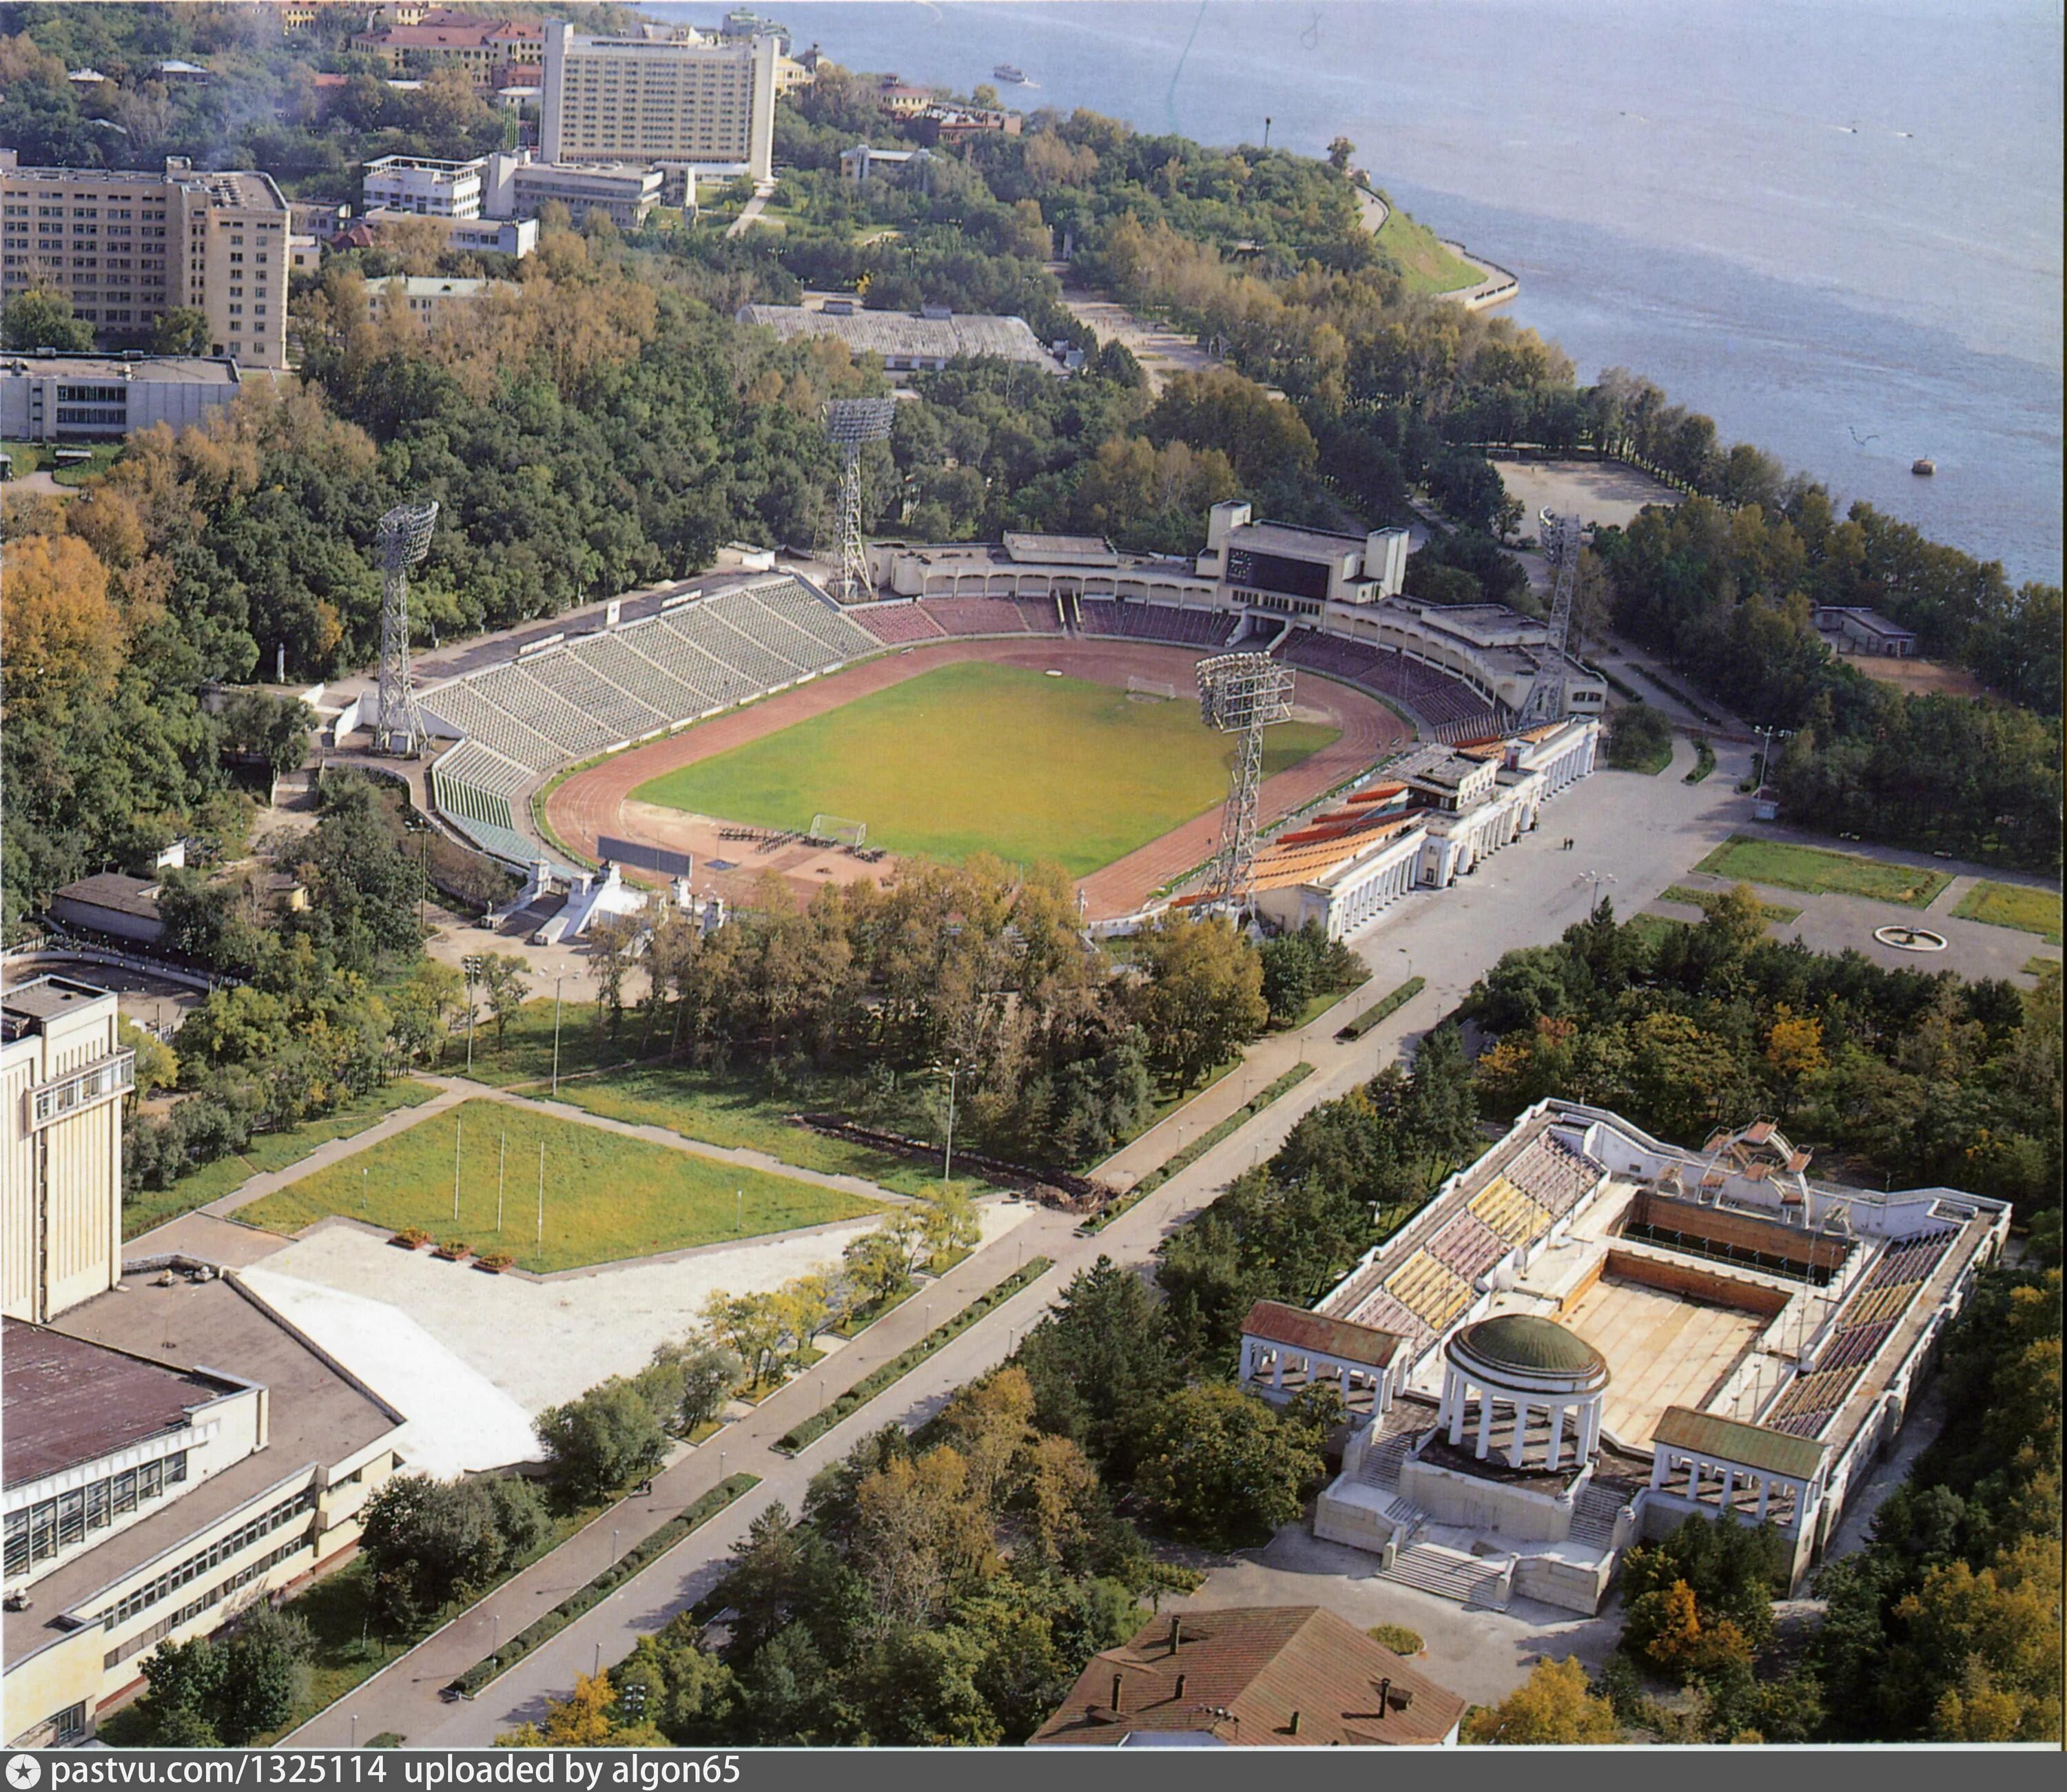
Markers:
point(1649, 830)
point(750, 213)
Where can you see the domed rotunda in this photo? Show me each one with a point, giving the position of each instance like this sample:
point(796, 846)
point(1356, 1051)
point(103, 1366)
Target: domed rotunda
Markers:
point(1534, 1369)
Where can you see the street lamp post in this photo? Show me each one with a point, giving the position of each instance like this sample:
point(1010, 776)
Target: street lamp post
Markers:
point(1769, 736)
point(953, 1072)
point(557, 981)
point(471, 966)
point(1597, 878)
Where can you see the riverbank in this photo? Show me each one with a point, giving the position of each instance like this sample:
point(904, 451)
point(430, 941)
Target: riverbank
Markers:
point(1432, 264)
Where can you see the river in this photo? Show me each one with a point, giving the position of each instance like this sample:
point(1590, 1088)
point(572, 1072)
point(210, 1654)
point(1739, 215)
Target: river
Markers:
point(1833, 226)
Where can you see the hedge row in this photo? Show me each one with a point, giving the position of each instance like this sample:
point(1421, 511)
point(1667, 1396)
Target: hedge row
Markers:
point(1386, 1004)
point(1198, 1147)
point(808, 1431)
point(642, 1552)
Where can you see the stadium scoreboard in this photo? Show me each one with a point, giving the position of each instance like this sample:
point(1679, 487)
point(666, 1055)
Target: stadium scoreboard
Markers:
point(1279, 573)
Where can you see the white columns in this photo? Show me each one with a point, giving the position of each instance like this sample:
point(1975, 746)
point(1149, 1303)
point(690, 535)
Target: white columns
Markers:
point(1764, 1496)
point(1520, 1436)
point(1557, 1434)
point(1457, 1415)
point(1485, 1424)
point(1729, 1488)
point(1589, 1428)
point(1660, 1467)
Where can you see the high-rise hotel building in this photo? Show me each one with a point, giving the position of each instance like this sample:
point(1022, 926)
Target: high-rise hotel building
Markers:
point(126, 246)
point(683, 100)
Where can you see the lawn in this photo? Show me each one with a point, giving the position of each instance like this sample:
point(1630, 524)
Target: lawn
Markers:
point(267, 1151)
point(1700, 899)
point(607, 1197)
point(1426, 266)
point(1821, 872)
point(976, 757)
point(2018, 905)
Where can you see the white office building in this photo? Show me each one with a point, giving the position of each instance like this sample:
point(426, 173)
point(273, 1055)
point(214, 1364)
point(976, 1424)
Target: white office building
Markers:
point(684, 100)
point(426, 188)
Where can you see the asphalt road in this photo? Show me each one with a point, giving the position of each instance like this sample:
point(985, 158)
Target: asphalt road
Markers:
point(1643, 833)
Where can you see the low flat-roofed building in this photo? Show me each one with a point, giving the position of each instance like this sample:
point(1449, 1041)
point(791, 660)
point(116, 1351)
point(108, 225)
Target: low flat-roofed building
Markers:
point(425, 295)
point(907, 341)
point(627, 193)
point(112, 903)
point(1856, 630)
point(47, 397)
point(514, 236)
point(1282, 566)
point(863, 163)
point(424, 185)
point(63, 1072)
point(262, 1455)
point(1253, 1676)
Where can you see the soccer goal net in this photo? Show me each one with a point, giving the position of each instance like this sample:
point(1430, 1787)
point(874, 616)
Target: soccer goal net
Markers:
point(839, 828)
point(1156, 688)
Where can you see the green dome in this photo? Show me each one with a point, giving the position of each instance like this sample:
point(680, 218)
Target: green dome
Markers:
point(1531, 1346)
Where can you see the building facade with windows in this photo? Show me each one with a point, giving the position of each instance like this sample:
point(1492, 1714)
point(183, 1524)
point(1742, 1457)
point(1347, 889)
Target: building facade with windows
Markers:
point(63, 1072)
point(519, 189)
point(425, 186)
point(126, 246)
point(48, 397)
point(683, 100)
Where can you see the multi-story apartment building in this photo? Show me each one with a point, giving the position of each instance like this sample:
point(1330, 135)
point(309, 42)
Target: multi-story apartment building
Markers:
point(127, 246)
point(684, 100)
point(495, 52)
point(418, 184)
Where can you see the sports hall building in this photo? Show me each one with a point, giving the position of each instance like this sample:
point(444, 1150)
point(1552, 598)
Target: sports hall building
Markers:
point(1590, 1334)
point(172, 1450)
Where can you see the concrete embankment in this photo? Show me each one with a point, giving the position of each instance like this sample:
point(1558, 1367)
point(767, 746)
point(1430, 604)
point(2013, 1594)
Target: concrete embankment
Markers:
point(1495, 285)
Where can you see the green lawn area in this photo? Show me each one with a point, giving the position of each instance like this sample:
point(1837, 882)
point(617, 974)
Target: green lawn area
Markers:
point(1650, 765)
point(38, 456)
point(976, 758)
point(267, 1151)
point(607, 1197)
point(2017, 905)
point(1821, 872)
point(741, 1113)
point(2038, 964)
point(1426, 265)
point(1700, 899)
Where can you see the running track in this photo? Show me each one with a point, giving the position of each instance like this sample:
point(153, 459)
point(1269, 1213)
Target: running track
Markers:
point(592, 803)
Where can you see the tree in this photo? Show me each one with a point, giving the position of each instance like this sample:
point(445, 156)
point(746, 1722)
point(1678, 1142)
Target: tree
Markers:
point(41, 318)
point(703, 1377)
point(1638, 735)
point(274, 731)
point(185, 1680)
point(875, 1265)
point(180, 331)
point(1340, 152)
point(602, 1440)
point(156, 1068)
point(427, 1541)
point(1222, 1469)
point(1554, 1708)
point(265, 1674)
point(63, 638)
point(1205, 1000)
point(1101, 1365)
point(589, 1717)
point(502, 975)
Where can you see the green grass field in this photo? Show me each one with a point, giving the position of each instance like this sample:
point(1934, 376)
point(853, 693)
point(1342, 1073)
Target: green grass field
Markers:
point(2017, 905)
point(976, 758)
point(267, 1151)
point(1821, 872)
point(1700, 899)
point(608, 1197)
point(1426, 266)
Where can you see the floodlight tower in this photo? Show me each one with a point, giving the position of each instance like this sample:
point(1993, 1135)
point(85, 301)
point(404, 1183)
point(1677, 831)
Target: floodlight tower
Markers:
point(849, 423)
point(405, 538)
point(1241, 694)
point(1560, 536)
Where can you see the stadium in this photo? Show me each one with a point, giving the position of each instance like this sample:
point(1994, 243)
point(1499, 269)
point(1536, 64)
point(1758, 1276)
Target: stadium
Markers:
point(1032, 699)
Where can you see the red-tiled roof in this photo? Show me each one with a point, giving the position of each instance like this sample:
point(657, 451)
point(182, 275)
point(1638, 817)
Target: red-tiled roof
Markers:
point(1266, 1677)
point(1298, 1329)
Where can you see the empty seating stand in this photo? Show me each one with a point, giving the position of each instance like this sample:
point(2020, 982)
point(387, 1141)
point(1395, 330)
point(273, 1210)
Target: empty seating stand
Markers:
point(1449, 709)
point(898, 624)
point(1870, 1313)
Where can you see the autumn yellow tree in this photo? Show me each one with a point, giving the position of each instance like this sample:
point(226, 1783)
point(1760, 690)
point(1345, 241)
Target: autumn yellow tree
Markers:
point(1554, 1708)
point(61, 637)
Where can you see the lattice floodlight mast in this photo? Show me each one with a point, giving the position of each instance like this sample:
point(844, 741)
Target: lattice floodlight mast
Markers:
point(405, 538)
point(1241, 694)
point(1560, 536)
point(849, 423)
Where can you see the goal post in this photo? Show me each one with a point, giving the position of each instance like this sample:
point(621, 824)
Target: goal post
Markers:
point(1157, 688)
point(839, 828)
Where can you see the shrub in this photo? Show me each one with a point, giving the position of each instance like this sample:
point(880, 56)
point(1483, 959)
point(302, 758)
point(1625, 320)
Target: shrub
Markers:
point(1397, 1638)
point(607, 1437)
point(494, 1261)
point(453, 1250)
point(411, 1238)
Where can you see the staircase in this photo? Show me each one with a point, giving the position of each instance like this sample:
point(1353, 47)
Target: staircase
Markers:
point(1449, 1574)
point(1594, 1517)
point(1380, 1467)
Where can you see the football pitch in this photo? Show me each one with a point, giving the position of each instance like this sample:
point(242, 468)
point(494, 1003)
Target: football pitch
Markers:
point(976, 757)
